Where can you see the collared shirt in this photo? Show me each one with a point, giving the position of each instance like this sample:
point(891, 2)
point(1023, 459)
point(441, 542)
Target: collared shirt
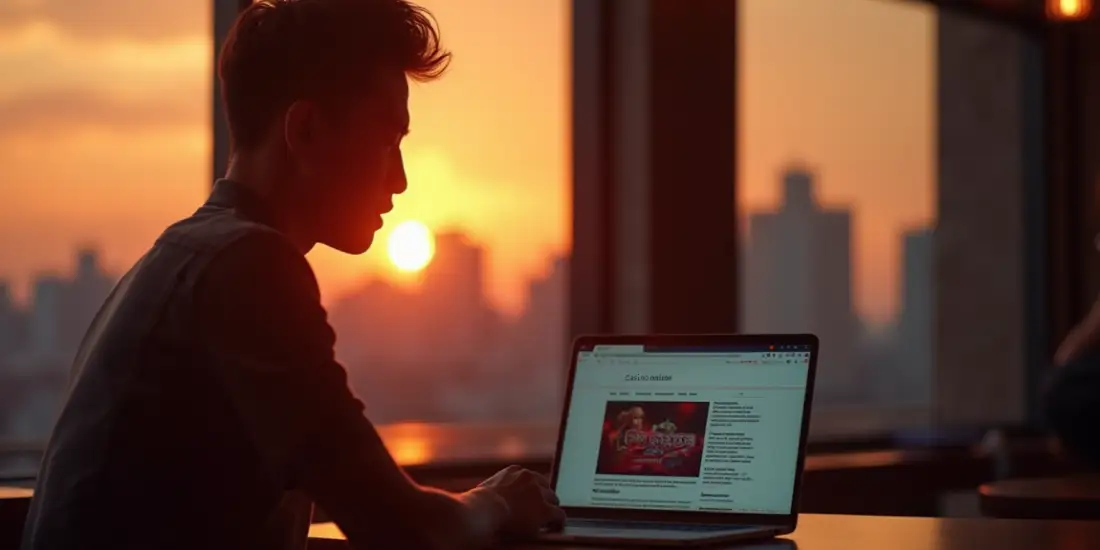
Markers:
point(206, 409)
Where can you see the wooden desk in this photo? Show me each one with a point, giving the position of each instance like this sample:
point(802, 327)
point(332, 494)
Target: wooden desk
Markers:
point(14, 501)
point(835, 532)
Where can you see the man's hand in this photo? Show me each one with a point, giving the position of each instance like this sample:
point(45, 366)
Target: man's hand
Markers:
point(1083, 336)
point(532, 504)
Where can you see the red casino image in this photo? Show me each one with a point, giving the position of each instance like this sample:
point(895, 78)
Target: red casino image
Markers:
point(653, 438)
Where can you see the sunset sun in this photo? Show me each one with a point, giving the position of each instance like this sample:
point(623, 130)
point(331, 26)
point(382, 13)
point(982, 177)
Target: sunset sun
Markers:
point(410, 246)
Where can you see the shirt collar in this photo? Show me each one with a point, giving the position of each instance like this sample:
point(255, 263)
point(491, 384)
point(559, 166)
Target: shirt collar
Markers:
point(246, 202)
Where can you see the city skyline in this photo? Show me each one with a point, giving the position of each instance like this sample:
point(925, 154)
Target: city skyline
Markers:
point(127, 106)
point(439, 352)
point(796, 183)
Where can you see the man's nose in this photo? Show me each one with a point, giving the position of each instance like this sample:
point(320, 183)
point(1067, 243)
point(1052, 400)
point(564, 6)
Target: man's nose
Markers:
point(397, 181)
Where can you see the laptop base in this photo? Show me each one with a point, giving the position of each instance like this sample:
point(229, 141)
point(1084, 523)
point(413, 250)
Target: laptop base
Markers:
point(620, 533)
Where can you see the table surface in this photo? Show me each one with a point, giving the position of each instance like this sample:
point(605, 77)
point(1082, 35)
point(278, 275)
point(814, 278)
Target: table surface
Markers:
point(15, 492)
point(835, 532)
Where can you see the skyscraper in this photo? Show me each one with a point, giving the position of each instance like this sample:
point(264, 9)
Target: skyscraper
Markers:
point(798, 278)
point(9, 321)
point(46, 312)
point(538, 343)
point(988, 81)
point(911, 376)
point(83, 295)
point(63, 307)
point(454, 287)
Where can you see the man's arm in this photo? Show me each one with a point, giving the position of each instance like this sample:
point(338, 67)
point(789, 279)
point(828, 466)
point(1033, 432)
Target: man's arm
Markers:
point(273, 352)
point(1082, 337)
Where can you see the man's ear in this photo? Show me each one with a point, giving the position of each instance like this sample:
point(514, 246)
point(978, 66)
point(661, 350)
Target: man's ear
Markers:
point(300, 125)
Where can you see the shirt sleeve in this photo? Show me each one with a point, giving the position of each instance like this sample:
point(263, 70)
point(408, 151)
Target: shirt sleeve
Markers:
point(271, 348)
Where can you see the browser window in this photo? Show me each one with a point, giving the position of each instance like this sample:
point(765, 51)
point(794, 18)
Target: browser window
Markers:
point(694, 429)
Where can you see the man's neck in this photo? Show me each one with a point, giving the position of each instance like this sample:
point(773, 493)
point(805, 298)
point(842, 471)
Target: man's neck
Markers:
point(258, 178)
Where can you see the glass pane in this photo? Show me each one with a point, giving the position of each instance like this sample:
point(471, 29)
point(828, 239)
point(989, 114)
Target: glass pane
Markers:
point(881, 194)
point(104, 140)
point(465, 356)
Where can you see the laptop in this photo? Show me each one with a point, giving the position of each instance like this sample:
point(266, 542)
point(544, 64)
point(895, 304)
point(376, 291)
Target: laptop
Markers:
point(683, 440)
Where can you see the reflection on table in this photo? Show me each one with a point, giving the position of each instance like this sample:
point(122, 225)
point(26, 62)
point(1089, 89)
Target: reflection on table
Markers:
point(419, 443)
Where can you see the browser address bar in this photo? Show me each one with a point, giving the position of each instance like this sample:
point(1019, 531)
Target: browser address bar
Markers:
point(664, 355)
point(673, 360)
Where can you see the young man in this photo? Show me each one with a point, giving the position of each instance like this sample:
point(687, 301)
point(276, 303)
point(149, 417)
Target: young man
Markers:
point(206, 409)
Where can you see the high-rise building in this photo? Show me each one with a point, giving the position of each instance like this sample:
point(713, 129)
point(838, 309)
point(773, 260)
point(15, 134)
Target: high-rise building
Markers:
point(6, 301)
point(46, 312)
point(539, 346)
point(13, 327)
point(911, 375)
point(84, 294)
point(453, 287)
point(9, 315)
point(988, 83)
point(798, 278)
point(63, 308)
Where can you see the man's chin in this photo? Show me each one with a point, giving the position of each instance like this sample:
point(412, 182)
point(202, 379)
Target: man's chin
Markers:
point(354, 246)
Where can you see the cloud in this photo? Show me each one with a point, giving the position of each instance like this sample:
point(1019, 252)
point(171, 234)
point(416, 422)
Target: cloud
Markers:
point(62, 111)
point(42, 57)
point(143, 20)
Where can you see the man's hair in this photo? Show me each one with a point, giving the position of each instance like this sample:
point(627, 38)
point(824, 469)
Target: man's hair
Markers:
point(280, 51)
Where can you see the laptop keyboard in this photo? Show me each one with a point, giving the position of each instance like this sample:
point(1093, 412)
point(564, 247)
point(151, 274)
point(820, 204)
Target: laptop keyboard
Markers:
point(687, 527)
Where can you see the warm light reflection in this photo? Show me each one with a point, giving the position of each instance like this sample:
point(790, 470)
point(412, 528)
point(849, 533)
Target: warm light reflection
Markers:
point(410, 246)
point(1069, 9)
point(409, 450)
point(512, 447)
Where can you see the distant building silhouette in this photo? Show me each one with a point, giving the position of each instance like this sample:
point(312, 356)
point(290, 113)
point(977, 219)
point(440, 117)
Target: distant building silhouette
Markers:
point(538, 340)
point(46, 313)
point(13, 326)
point(915, 324)
point(798, 278)
point(63, 308)
point(453, 286)
point(60, 310)
point(987, 85)
point(83, 296)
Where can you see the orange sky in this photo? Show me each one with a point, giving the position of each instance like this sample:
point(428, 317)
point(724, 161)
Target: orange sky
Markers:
point(105, 134)
point(848, 88)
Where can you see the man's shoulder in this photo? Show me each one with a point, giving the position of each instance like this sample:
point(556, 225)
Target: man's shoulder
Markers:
point(235, 250)
point(212, 230)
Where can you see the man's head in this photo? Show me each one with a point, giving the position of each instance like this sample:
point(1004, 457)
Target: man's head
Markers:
point(317, 90)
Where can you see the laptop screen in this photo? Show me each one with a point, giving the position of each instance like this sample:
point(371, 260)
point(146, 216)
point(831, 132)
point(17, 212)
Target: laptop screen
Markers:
point(691, 429)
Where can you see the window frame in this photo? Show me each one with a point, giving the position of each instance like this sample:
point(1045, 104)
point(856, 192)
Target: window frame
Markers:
point(225, 12)
point(605, 263)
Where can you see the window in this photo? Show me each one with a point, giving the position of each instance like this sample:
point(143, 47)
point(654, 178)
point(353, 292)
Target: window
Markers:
point(105, 140)
point(886, 150)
